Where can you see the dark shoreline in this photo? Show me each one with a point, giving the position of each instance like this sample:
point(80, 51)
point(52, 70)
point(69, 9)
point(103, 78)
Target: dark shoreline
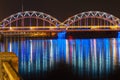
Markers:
point(70, 35)
point(103, 34)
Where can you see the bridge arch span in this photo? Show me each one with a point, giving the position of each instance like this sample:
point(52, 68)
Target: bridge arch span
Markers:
point(29, 15)
point(92, 14)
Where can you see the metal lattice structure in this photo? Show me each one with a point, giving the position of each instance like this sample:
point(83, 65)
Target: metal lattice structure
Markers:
point(29, 14)
point(48, 21)
point(92, 14)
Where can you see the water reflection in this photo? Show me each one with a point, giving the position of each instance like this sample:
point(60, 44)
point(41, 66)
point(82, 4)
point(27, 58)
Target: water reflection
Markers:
point(91, 57)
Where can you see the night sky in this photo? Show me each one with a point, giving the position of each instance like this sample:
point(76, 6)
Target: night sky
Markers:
point(61, 9)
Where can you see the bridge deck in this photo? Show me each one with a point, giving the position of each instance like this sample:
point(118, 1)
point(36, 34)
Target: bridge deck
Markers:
point(49, 31)
point(60, 30)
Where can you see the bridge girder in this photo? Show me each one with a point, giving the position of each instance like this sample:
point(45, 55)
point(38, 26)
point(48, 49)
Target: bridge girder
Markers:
point(92, 14)
point(71, 20)
point(29, 14)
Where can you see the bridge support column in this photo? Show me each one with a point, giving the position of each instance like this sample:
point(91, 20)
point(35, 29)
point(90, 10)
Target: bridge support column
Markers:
point(8, 66)
point(0, 36)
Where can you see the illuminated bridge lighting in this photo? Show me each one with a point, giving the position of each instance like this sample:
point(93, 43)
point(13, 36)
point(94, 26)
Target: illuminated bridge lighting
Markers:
point(35, 22)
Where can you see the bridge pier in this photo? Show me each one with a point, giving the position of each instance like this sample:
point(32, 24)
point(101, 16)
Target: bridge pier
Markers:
point(0, 36)
point(8, 66)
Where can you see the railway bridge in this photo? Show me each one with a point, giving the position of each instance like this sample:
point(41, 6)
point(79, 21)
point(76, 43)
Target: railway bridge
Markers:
point(39, 24)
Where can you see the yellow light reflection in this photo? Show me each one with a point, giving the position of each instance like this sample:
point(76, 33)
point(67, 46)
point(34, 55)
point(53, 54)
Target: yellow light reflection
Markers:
point(114, 52)
point(67, 51)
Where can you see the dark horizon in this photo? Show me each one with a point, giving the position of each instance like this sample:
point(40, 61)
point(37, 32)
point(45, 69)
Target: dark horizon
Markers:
point(60, 9)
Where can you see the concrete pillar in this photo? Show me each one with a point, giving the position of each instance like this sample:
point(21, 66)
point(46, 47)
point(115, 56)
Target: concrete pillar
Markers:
point(8, 66)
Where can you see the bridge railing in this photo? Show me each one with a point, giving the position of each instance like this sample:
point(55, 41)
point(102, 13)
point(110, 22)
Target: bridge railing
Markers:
point(58, 28)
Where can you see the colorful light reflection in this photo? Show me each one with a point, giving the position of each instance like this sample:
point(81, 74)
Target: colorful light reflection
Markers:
point(86, 56)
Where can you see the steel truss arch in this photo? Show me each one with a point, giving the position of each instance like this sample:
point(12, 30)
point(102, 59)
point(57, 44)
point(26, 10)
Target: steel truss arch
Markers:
point(92, 14)
point(29, 14)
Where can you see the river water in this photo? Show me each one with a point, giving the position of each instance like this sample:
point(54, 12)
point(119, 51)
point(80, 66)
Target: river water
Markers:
point(73, 59)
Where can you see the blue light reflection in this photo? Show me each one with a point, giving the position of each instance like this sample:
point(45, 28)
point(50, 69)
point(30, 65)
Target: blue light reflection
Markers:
point(86, 56)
